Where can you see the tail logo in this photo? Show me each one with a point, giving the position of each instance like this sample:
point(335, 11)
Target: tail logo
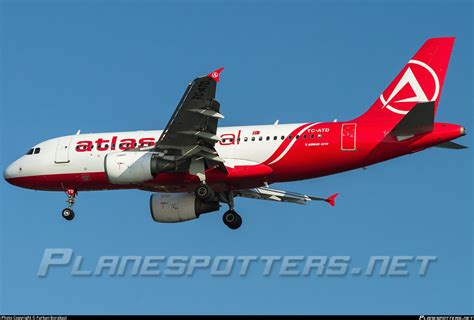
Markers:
point(408, 91)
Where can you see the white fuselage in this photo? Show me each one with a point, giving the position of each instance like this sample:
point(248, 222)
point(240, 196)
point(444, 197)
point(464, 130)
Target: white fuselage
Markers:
point(247, 144)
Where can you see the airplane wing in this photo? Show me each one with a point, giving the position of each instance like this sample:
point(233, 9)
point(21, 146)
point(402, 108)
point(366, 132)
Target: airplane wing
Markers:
point(191, 131)
point(282, 196)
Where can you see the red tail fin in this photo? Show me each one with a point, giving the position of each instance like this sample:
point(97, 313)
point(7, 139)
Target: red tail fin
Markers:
point(421, 80)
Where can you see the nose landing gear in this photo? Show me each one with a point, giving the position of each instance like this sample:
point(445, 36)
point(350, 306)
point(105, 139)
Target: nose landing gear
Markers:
point(68, 213)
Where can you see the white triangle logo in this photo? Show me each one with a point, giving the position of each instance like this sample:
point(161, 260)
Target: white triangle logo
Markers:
point(410, 79)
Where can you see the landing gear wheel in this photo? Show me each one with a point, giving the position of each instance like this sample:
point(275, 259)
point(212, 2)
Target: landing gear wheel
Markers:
point(232, 219)
point(68, 214)
point(204, 193)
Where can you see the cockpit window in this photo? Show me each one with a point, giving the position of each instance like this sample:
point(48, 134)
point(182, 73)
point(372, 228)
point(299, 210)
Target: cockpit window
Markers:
point(33, 151)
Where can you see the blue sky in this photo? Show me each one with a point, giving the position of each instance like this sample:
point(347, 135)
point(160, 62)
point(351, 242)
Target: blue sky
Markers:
point(122, 65)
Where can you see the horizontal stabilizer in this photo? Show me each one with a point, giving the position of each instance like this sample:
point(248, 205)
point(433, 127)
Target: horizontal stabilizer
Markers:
point(420, 119)
point(450, 145)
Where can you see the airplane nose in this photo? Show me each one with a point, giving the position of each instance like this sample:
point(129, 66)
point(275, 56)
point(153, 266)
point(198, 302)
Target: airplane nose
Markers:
point(14, 174)
point(11, 172)
point(8, 173)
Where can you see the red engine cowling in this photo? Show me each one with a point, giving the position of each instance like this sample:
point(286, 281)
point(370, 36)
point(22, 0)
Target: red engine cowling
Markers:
point(178, 207)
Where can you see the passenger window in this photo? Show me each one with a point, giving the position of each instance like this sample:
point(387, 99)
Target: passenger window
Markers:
point(260, 138)
point(282, 137)
point(312, 136)
point(231, 140)
point(297, 136)
point(289, 137)
point(245, 139)
point(304, 136)
point(253, 138)
point(238, 139)
point(275, 137)
point(30, 151)
point(37, 150)
point(268, 138)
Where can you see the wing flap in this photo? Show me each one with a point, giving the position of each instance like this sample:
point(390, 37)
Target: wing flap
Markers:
point(201, 134)
point(208, 113)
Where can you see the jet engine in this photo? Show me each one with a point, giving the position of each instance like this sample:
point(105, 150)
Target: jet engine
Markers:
point(133, 167)
point(178, 207)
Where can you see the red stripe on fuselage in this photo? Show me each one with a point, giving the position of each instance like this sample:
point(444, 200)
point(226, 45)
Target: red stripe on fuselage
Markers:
point(285, 144)
point(59, 182)
point(239, 177)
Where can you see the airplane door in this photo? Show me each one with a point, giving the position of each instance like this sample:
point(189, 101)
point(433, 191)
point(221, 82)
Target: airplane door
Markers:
point(348, 137)
point(62, 150)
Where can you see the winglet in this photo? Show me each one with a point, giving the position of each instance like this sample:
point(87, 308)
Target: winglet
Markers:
point(331, 199)
point(215, 74)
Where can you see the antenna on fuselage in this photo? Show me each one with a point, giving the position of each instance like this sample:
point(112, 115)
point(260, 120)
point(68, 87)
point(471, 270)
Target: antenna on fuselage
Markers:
point(78, 132)
point(335, 120)
point(276, 122)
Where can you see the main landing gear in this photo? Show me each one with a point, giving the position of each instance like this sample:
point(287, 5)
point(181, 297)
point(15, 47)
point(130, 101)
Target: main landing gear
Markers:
point(204, 193)
point(68, 213)
point(231, 218)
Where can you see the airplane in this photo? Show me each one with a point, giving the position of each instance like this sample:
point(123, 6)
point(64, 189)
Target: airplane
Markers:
point(192, 166)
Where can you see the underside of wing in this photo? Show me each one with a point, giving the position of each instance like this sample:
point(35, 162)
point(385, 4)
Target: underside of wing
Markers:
point(281, 196)
point(191, 132)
